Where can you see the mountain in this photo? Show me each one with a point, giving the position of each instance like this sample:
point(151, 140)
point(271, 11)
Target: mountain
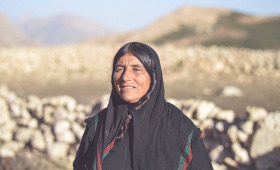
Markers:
point(208, 26)
point(60, 30)
point(10, 35)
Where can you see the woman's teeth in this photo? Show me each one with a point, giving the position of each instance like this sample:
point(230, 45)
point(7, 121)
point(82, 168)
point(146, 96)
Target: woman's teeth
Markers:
point(127, 87)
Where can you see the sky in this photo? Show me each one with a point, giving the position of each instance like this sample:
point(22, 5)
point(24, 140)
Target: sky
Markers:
point(128, 15)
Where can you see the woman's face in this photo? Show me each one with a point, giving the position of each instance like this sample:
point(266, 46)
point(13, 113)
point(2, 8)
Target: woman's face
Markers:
point(131, 79)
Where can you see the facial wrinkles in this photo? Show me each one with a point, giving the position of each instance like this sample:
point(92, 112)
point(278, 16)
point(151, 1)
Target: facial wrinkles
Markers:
point(131, 79)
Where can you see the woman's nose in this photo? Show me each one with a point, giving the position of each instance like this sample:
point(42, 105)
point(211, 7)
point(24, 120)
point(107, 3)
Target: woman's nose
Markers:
point(126, 75)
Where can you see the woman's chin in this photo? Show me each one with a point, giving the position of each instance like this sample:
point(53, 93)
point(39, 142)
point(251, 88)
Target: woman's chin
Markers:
point(129, 99)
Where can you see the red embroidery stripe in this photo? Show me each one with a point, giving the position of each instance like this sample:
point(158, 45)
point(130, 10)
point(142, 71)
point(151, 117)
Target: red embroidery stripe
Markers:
point(109, 147)
point(189, 158)
point(201, 134)
point(98, 160)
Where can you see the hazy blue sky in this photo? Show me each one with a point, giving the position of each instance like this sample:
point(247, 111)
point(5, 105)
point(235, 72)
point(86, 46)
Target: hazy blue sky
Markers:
point(124, 15)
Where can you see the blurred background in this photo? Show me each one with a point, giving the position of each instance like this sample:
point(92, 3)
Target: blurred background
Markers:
point(223, 52)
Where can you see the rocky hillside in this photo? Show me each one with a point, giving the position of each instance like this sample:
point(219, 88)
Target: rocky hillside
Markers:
point(208, 26)
point(10, 35)
point(95, 61)
point(53, 126)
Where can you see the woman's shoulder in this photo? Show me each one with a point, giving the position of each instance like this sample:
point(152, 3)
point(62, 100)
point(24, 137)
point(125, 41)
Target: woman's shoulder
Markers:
point(175, 113)
point(93, 116)
point(176, 116)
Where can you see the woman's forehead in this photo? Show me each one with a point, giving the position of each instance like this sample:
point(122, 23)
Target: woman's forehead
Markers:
point(129, 59)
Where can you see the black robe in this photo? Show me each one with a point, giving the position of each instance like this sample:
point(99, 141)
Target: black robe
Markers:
point(160, 136)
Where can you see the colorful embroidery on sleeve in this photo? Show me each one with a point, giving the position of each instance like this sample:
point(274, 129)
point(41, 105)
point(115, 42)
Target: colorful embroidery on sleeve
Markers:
point(186, 157)
point(108, 148)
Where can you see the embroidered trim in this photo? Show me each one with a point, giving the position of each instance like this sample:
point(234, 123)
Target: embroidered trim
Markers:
point(108, 148)
point(95, 127)
point(98, 160)
point(95, 122)
point(201, 133)
point(189, 158)
point(186, 157)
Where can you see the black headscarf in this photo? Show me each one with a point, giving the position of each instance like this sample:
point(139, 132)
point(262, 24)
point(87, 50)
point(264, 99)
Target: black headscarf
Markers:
point(161, 137)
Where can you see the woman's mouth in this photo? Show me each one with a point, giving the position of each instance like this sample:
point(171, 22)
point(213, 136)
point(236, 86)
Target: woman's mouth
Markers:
point(127, 87)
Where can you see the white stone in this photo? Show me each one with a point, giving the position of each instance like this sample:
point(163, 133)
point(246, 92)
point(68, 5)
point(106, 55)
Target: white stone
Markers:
point(4, 112)
point(227, 115)
point(61, 126)
point(256, 113)
point(242, 136)
point(24, 118)
point(265, 143)
point(218, 154)
point(220, 126)
point(7, 152)
point(71, 116)
point(240, 154)
point(23, 134)
point(7, 130)
point(10, 148)
point(58, 150)
point(37, 140)
point(71, 103)
point(48, 135)
point(66, 136)
point(207, 124)
point(231, 91)
point(78, 130)
point(48, 114)
point(33, 123)
point(248, 127)
point(60, 113)
point(204, 110)
point(217, 166)
point(80, 108)
point(229, 161)
point(232, 133)
point(34, 106)
point(272, 121)
point(15, 110)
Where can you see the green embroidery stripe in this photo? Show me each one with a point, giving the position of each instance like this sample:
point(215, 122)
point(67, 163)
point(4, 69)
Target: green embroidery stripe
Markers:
point(95, 122)
point(95, 127)
point(94, 164)
point(105, 154)
point(185, 154)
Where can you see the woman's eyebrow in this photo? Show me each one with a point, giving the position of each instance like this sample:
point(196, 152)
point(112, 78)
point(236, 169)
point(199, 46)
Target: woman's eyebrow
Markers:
point(132, 65)
point(137, 65)
point(119, 65)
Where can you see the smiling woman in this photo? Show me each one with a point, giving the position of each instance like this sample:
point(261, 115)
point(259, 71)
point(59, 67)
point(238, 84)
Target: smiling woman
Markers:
point(139, 129)
point(131, 79)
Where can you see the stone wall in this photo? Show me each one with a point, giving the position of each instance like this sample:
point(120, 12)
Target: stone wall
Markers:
point(54, 126)
point(95, 61)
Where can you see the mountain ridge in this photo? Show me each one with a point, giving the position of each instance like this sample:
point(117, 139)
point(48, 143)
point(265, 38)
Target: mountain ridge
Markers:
point(62, 29)
point(207, 26)
point(10, 34)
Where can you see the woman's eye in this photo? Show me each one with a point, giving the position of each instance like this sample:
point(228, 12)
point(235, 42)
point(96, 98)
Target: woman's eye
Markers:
point(118, 69)
point(137, 69)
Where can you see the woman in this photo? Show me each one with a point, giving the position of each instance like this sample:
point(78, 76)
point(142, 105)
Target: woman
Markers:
point(139, 130)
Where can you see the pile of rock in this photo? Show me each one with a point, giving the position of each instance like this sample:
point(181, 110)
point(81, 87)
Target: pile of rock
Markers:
point(55, 125)
point(249, 143)
point(52, 125)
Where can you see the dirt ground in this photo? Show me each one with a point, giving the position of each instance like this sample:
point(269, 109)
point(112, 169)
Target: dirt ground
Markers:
point(30, 160)
point(258, 91)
